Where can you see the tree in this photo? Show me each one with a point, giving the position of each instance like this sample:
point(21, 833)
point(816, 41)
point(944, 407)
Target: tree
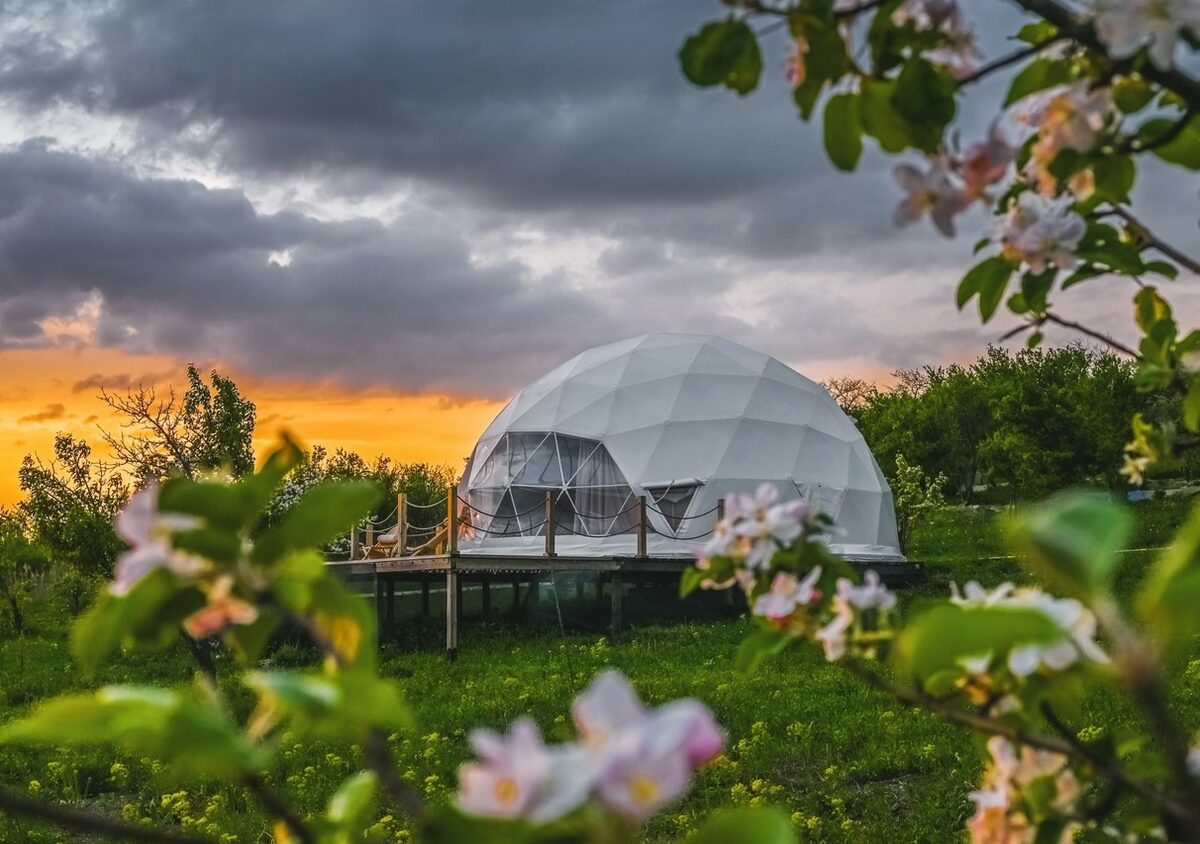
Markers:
point(851, 394)
point(915, 496)
point(206, 429)
point(70, 503)
point(22, 563)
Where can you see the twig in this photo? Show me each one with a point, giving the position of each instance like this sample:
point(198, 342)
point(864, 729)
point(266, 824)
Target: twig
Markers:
point(1162, 140)
point(1116, 773)
point(1090, 332)
point(85, 820)
point(755, 7)
point(1189, 263)
point(379, 759)
point(1011, 58)
point(277, 808)
point(1187, 87)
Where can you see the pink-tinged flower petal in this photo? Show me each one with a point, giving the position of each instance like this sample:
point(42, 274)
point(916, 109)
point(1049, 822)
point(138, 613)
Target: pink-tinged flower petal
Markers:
point(688, 725)
point(136, 518)
point(640, 781)
point(136, 563)
point(608, 705)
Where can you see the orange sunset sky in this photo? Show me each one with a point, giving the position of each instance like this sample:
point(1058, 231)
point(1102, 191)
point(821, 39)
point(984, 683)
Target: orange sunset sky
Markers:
point(45, 391)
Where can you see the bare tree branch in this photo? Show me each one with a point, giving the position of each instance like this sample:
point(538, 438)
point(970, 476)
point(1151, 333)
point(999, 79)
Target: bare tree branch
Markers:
point(87, 821)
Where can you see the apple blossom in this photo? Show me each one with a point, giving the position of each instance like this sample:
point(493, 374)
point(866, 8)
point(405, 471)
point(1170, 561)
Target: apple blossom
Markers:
point(1075, 620)
point(222, 610)
point(796, 70)
point(1070, 117)
point(985, 163)
point(1125, 26)
point(1040, 231)
point(148, 533)
point(932, 191)
point(871, 595)
point(833, 635)
point(519, 776)
point(787, 593)
point(1001, 817)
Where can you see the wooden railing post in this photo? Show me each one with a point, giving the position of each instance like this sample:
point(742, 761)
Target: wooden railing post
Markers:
point(641, 526)
point(452, 520)
point(549, 524)
point(354, 542)
point(720, 509)
point(370, 536)
point(401, 524)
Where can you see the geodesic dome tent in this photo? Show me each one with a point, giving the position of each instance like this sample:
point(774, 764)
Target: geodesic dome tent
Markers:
point(683, 420)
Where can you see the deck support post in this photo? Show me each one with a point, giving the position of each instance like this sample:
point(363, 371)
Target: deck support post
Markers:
point(458, 602)
point(535, 593)
point(549, 524)
point(425, 597)
point(579, 589)
point(380, 603)
point(452, 595)
point(391, 603)
point(641, 527)
point(401, 524)
point(617, 594)
point(516, 603)
point(485, 588)
point(452, 520)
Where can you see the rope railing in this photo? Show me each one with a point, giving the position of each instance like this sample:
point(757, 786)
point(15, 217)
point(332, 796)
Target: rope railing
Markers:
point(518, 532)
point(441, 502)
point(650, 508)
point(678, 538)
point(475, 509)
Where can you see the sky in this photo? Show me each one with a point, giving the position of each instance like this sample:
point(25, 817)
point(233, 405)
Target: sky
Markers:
point(383, 219)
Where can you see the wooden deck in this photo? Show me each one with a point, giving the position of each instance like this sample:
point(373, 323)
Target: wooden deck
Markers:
point(486, 569)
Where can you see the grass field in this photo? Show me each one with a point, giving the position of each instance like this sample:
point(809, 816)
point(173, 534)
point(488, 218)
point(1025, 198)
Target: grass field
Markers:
point(849, 764)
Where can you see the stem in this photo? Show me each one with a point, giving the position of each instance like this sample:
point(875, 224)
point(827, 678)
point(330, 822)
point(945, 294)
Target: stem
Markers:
point(1011, 58)
point(87, 821)
point(1167, 249)
point(1066, 746)
point(756, 7)
point(1162, 140)
point(1117, 774)
point(277, 808)
point(1095, 335)
point(1069, 25)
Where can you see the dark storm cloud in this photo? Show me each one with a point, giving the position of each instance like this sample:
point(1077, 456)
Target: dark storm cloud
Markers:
point(52, 412)
point(183, 269)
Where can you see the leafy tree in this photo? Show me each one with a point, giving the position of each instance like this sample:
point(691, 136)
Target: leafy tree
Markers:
point(22, 563)
point(206, 429)
point(70, 503)
point(851, 394)
point(915, 495)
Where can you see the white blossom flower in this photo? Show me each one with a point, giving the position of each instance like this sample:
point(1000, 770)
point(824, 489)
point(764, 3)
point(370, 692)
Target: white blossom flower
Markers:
point(1077, 623)
point(518, 776)
point(959, 52)
point(986, 163)
point(148, 533)
point(931, 191)
point(871, 595)
point(1041, 231)
point(833, 635)
point(787, 593)
point(1068, 117)
point(767, 524)
point(1125, 26)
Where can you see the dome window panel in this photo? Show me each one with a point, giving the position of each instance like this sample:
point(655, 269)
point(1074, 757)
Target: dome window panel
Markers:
point(674, 500)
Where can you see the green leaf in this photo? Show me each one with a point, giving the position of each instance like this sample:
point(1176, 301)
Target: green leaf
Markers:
point(1114, 176)
point(924, 98)
point(1035, 288)
point(257, 490)
point(825, 61)
point(149, 615)
point(939, 638)
point(988, 280)
point(1038, 75)
point(350, 806)
point(325, 511)
point(1163, 268)
point(332, 706)
point(217, 503)
point(1183, 149)
point(1132, 93)
point(1191, 407)
point(1072, 540)
point(843, 131)
point(1169, 602)
point(759, 645)
point(194, 735)
point(1036, 33)
point(746, 826)
point(879, 116)
point(723, 53)
point(448, 825)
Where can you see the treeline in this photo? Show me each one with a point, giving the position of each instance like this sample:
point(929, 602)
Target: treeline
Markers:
point(62, 530)
point(1011, 426)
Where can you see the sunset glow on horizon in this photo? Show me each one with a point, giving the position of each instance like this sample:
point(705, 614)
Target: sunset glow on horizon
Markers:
point(48, 391)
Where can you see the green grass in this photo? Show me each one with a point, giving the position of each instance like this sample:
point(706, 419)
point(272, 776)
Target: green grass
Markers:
point(849, 764)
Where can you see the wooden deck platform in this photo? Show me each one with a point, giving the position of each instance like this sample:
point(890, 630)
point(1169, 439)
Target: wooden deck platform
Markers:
point(486, 569)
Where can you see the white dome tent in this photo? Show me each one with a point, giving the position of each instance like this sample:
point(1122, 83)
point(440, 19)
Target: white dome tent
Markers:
point(684, 420)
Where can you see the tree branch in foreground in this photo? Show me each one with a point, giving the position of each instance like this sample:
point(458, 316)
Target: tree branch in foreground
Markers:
point(85, 820)
point(277, 808)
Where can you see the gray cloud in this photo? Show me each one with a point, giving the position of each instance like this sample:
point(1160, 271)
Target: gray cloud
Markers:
point(52, 412)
